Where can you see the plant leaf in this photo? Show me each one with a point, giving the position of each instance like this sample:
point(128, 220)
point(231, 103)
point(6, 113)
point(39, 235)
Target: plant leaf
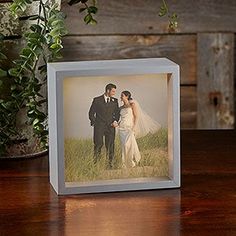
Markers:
point(3, 73)
point(1, 36)
point(87, 18)
point(2, 56)
point(92, 9)
point(73, 2)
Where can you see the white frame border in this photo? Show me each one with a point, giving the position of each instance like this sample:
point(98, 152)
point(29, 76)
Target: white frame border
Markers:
point(58, 71)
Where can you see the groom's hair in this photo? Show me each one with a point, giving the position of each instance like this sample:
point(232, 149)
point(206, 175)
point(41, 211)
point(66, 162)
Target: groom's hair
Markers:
point(109, 87)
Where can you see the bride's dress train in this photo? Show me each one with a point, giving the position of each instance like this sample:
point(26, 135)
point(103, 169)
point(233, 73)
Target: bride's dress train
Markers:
point(144, 125)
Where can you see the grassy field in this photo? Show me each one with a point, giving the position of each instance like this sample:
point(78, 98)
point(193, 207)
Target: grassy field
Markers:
point(79, 164)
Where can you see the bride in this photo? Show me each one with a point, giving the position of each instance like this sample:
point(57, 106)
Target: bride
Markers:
point(134, 123)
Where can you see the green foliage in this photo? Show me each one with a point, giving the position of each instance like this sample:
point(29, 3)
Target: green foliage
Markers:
point(43, 43)
point(2, 57)
point(3, 73)
point(8, 106)
point(173, 22)
point(8, 110)
point(163, 9)
point(19, 6)
point(56, 29)
point(173, 18)
point(90, 10)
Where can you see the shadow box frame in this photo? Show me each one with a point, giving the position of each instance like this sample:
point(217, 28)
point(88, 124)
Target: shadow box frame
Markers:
point(58, 71)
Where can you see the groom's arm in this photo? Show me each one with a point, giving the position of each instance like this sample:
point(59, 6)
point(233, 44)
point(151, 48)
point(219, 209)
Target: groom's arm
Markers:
point(92, 113)
point(117, 112)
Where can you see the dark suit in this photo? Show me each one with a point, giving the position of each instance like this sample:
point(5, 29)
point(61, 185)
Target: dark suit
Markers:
point(102, 115)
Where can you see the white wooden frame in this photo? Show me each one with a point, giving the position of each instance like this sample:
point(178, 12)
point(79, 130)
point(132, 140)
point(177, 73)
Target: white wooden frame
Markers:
point(58, 71)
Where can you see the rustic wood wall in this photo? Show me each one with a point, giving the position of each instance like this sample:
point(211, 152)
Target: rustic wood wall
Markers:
point(203, 45)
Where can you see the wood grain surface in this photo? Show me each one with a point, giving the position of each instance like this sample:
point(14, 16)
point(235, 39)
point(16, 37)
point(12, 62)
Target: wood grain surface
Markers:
point(215, 87)
point(188, 107)
point(141, 17)
point(204, 205)
point(180, 49)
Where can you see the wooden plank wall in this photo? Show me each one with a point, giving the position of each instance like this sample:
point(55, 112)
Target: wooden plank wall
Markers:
point(215, 80)
point(203, 42)
point(203, 46)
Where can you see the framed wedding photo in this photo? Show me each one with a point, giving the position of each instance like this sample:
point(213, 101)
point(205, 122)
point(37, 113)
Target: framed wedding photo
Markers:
point(114, 125)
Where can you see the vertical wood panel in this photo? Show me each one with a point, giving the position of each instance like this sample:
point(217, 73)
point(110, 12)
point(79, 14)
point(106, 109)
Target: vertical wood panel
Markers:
point(188, 107)
point(215, 86)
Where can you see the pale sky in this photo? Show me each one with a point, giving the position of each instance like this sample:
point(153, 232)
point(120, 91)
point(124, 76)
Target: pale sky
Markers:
point(78, 92)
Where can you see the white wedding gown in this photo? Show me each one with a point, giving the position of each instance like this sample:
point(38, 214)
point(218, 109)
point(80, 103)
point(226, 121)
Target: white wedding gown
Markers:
point(144, 125)
point(129, 147)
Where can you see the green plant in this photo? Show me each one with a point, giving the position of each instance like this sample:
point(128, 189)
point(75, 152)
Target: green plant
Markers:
point(43, 43)
point(90, 9)
point(173, 18)
point(9, 103)
point(2, 57)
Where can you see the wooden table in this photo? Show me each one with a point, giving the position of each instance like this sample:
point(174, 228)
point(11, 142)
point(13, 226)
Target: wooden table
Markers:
point(204, 205)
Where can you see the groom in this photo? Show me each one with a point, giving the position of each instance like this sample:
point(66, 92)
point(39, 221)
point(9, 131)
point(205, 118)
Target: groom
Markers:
point(104, 114)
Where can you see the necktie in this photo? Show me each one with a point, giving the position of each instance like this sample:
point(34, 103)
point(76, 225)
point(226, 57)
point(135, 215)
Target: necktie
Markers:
point(108, 100)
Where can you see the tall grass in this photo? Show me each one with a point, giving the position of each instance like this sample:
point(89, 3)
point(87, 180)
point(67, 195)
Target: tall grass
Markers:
point(79, 165)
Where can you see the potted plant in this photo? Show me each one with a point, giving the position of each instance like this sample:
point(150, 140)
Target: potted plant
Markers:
point(23, 99)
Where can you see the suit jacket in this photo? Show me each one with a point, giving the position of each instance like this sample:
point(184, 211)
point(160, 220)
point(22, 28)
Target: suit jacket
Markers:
point(102, 112)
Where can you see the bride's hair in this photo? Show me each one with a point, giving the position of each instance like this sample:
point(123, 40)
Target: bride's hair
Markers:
point(127, 94)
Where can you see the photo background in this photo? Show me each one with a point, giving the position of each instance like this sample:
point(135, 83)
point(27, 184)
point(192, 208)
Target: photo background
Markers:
point(149, 90)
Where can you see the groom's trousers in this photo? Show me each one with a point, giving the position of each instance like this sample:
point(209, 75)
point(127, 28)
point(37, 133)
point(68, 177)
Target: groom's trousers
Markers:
point(102, 130)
